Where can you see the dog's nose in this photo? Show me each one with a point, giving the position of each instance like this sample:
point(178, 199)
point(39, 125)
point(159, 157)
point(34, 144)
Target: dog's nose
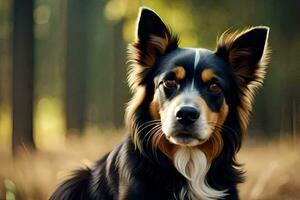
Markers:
point(187, 115)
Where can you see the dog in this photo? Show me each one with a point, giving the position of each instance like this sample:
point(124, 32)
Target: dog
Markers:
point(187, 118)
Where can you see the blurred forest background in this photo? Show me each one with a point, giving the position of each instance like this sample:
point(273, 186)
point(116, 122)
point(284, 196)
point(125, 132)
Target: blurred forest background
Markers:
point(63, 86)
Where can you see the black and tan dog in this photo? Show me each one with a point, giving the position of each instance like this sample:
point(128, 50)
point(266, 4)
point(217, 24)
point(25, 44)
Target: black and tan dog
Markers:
point(186, 119)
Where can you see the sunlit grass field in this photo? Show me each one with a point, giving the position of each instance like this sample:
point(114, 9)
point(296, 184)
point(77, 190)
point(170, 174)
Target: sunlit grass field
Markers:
point(272, 167)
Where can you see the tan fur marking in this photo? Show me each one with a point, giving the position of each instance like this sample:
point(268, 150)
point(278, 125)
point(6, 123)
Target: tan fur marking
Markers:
point(160, 141)
point(207, 75)
point(164, 145)
point(179, 72)
point(223, 113)
point(213, 146)
point(135, 102)
point(132, 105)
point(154, 107)
point(160, 43)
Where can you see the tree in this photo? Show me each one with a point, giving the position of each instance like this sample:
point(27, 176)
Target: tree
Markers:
point(76, 62)
point(120, 94)
point(23, 65)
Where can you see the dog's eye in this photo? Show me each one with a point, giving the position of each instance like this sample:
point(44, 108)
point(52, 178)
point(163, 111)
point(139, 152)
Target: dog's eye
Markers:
point(170, 83)
point(215, 88)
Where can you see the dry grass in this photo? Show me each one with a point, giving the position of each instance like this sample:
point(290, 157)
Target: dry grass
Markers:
point(272, 168)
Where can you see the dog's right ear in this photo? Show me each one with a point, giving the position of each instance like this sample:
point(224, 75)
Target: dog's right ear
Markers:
point(153, 39)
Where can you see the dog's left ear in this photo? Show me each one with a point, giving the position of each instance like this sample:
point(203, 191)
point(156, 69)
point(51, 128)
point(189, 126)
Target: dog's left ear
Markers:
point(247, 54)
point(153, 40)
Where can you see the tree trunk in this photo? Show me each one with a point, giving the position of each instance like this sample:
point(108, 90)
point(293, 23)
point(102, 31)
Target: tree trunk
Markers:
point(23, 43)
point(120, 90)
point(76, 62)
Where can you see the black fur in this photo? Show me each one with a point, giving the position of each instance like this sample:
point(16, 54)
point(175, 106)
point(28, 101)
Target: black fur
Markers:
point(149, 179)
point(131, 173)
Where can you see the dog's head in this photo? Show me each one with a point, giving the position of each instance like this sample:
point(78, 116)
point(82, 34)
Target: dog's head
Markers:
point(189, 96)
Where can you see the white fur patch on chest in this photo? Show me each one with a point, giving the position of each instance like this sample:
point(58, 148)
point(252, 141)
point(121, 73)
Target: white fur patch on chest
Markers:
point(193, 165)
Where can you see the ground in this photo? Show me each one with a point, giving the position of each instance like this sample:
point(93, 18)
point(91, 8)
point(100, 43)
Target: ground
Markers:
point(271, 167)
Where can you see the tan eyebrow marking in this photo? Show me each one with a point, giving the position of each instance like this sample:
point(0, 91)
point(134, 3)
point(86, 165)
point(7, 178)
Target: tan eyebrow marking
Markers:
point(207, 75)
point(179, 72)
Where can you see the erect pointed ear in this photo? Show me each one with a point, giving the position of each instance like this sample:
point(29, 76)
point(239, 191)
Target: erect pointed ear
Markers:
point(248, 54)
point(153, 40)
point(149, 23)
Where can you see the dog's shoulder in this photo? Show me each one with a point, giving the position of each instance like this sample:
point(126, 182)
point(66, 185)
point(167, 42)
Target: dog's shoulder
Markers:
point(97, 182)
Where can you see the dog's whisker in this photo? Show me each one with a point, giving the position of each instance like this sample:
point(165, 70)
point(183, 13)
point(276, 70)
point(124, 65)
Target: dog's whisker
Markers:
point(149, 135)
point(157, 141)
point(161, 135)
point(223, 127)
point(146, 125)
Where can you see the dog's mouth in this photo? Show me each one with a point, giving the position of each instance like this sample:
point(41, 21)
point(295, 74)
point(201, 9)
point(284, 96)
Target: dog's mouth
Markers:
point(185, 139)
